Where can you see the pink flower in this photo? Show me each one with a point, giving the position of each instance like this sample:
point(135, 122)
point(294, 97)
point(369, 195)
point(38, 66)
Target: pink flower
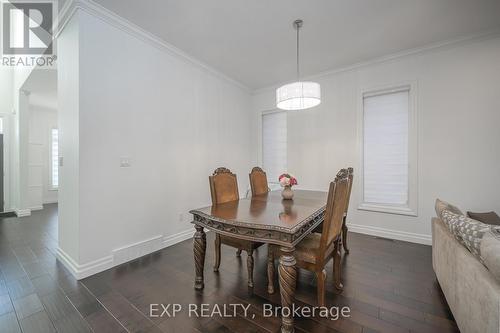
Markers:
point(287, 179)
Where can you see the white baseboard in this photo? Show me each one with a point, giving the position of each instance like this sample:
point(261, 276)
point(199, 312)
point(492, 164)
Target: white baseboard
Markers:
point(391, 234)
point(85, 270)
point(48, 202)
point(136, 250)
point(36, 208)
point(178, 237)
point(122, 254)
point(23, 212)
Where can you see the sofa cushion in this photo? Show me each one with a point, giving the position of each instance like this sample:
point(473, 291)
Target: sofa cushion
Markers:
point(467, 231)
point(441, 205)
point(488, 218)
point(482, 240)
point(490, 250)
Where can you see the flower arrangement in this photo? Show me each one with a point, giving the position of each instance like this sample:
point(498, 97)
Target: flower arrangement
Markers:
point(287, 179)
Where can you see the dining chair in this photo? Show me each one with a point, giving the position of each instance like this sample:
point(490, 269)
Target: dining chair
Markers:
point(319, 229)
point(316, 250)
point(258, 181)
point(224, 188)
point(344, 225)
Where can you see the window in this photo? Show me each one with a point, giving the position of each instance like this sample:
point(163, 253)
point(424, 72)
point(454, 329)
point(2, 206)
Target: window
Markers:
point(54, 158)
point(274, 144)
point(389, 182)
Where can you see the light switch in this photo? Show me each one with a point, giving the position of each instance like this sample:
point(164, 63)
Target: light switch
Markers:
point(124, 162)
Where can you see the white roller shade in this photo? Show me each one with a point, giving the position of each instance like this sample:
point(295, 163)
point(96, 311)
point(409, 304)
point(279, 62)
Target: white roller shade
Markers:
point(274, 132)
point(386, 146)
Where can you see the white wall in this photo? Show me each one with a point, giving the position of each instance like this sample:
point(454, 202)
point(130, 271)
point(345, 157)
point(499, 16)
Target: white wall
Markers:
point(175, 121)
point(6, 107)
point(41, 122)
point(458, 107)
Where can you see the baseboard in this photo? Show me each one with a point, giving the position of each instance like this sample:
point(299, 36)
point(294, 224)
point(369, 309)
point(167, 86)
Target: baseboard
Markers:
point(136, 250)
point(36, 208)
point(121, 255)
point(23, 212)
point(87, 269)
point(48, 202)
point(178, 237)
point(391, 234)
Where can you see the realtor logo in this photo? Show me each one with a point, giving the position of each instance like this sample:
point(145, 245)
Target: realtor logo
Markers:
point(27, 28)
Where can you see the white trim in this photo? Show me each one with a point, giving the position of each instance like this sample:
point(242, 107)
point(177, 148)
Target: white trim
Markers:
point(136, 250)
point(104, 14)
point(450, 43)
point(36, 208)
point(178, 237)
point(123, 254)
point(391, 234)
point(412, 87)
point(85, 270)
point(22, 212)
point(381, 208)
point(49, 202)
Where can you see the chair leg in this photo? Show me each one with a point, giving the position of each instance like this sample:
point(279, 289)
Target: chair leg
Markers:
point(337, 265)
point(344, 237)
point(270, 271)
point(238, 253)
point(250, 267)
point(321, 277)
point(217, 253)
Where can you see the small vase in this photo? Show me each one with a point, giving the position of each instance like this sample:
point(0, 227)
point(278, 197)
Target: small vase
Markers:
point(287, 193)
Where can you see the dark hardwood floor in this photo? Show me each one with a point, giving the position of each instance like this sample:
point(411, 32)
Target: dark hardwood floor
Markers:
point(389, 286)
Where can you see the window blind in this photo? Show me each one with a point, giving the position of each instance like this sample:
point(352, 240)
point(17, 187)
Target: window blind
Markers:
point(274, 145)
point(386, 146)
point(55, 158)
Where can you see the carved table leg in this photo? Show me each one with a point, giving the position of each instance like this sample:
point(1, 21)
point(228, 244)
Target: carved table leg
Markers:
point(250, 267)
point(199, 248)
point(270, 270)
point(288, 280)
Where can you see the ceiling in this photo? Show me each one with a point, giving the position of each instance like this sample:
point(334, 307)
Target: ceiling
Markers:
point(253, 42)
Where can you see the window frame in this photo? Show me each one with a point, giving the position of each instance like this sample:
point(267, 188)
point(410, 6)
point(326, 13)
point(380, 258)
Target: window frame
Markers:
point(410, 209)
point(52, 187)
point(272, 184)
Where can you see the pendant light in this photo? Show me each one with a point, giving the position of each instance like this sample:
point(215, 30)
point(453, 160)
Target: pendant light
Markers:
point(298, 95)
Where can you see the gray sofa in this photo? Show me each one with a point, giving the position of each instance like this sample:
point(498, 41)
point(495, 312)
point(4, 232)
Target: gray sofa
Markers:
point(471, 291)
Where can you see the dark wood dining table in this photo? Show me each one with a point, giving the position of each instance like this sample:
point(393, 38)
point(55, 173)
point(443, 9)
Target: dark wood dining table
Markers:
point(268, 219)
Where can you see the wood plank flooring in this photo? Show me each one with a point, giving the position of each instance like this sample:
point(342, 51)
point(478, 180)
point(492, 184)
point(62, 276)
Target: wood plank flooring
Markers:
point(389, 286)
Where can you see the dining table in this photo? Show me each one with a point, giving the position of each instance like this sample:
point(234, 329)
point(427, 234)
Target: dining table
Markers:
point(266, 218)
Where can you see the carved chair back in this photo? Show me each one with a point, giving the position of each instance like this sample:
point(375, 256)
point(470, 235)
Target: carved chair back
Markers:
point(334, 212)
point(350, 175)
point(258, 181)
point(223, 186)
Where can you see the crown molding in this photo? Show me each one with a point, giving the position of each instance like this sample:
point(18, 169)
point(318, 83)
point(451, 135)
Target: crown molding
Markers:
point(92, 8)
point(450, 43)
point(100, 12)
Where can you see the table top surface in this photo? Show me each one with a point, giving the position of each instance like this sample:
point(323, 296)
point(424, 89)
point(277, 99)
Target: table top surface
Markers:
point(269, 211)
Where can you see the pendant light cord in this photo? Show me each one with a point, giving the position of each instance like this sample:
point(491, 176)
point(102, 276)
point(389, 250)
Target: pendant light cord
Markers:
point(298, 72)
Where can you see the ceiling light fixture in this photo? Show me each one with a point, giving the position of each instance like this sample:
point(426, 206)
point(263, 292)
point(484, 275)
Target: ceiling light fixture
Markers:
point(298, 95)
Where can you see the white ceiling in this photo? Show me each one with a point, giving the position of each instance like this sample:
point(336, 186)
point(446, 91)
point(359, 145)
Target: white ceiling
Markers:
point(253, 42)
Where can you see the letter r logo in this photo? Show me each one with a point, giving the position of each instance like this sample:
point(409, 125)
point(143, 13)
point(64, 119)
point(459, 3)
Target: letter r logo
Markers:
point(27, 27)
